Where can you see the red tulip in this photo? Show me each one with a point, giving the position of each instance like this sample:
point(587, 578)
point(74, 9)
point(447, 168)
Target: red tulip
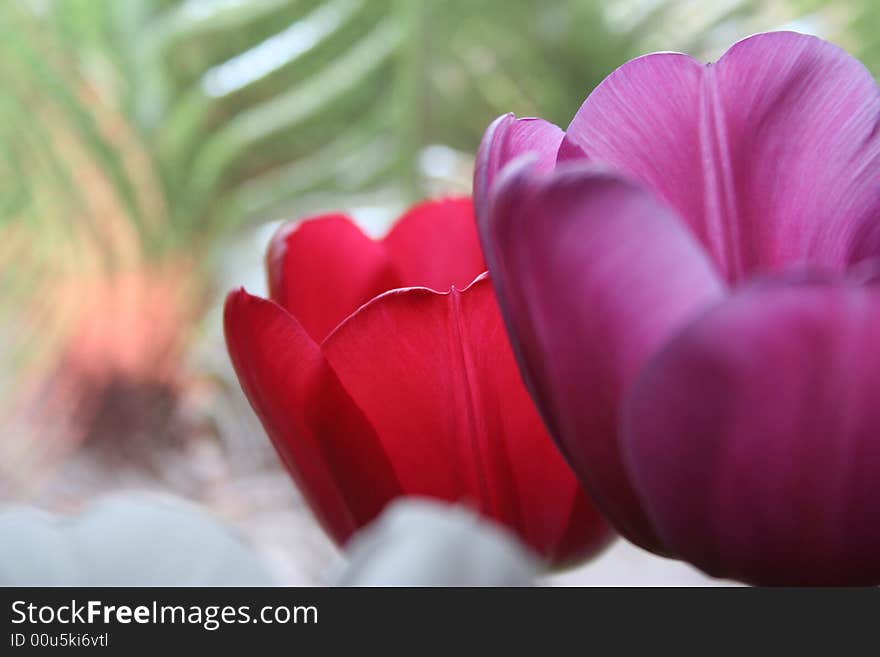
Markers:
point(382, 369)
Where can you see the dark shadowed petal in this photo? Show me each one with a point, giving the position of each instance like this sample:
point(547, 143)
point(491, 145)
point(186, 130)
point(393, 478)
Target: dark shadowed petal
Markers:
point(435, 376)
point(436, 245)
point(593, 276)
point(753, 438)
point(506, 139)
point(322, 437)
point(323, 269)
point(770, 155)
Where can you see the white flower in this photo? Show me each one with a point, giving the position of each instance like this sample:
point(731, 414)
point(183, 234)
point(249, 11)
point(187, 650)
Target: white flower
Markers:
point(417, 542)
point(123, 540)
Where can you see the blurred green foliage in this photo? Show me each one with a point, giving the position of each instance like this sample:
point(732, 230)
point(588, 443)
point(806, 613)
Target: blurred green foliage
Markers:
point(135, 132)
point(195, 115)
point(852, 24)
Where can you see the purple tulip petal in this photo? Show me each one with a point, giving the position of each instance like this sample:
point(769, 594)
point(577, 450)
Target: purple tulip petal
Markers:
point(771, 155)
point(753, 438)
point(506, 139)
point(593, 275)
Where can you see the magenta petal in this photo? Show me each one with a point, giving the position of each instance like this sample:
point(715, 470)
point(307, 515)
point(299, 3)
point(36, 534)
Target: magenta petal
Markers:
point(753, 438)
point(593, 275)
point(771, 154)
point(506, 139)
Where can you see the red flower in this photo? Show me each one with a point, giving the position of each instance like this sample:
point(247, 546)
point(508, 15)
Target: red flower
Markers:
point(370, 394)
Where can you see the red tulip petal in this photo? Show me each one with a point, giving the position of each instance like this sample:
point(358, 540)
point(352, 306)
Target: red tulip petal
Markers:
point(435, 376)
point(770, 155)
point(593, 276)
point(506, 139)
point(322, 270)
point(325, 442)
point(435, 245)
point(753, 438)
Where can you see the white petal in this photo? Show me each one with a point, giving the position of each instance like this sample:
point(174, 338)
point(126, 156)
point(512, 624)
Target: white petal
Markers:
point(123, 540)
point(417, 542)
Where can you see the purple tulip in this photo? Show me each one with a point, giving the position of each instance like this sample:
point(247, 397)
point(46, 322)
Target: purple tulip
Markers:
point(688, 274)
